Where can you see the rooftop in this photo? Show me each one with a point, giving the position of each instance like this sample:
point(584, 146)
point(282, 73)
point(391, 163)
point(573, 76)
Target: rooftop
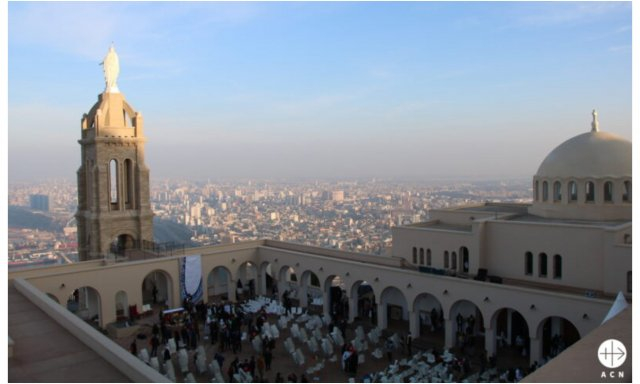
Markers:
point(46, 352)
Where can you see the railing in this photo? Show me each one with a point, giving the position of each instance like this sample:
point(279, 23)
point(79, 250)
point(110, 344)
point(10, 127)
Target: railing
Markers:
point(144, 249)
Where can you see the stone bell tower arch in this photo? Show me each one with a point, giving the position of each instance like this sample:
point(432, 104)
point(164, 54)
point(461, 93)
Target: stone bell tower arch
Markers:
point(114, 212)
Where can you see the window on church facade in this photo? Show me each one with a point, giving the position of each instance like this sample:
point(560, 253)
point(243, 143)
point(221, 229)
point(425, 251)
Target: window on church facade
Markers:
point(429, 256)
point(608, 192)
point(113, 181)
point(590, 192)
point(626, 195)
point(557, 191)
point(542, 265)
point(415, 255)
point(446, 259)
point(545, 191)
point(421, 256)
point(528, 263)
point(573, 191)
point(557, 267)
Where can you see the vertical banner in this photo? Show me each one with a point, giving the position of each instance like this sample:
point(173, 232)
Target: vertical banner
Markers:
point(191, 278)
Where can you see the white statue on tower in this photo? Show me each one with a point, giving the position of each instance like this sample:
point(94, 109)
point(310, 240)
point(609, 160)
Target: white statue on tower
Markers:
point(111, 67)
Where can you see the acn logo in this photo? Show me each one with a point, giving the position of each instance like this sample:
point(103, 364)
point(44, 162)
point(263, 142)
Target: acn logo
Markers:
point(612, 353)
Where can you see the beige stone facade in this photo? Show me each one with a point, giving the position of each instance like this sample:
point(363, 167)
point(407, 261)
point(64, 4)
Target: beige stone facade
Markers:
point(114, 212)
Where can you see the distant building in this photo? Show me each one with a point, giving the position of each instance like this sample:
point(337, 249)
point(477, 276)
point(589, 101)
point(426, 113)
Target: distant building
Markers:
point(337, 196)
point(39, 202)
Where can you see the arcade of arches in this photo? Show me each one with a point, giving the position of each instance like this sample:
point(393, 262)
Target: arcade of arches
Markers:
point(436, 316)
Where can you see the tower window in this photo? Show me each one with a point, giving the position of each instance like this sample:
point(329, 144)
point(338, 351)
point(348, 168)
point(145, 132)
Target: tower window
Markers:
point(557, 267)
point(429, 256)
point(590, 192)
point(542, 265)
point(446, 259)
point(528, 263)
point(573, 191)
point(421, 256)
point(608, 191)
point(626, 195)
point(113, 181)
point(415, 255)
point(535, 191)
point(545, 191)
point(557, 191)
point(454, 260)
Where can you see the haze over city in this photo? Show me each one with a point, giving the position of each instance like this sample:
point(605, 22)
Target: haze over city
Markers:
point(321, 90)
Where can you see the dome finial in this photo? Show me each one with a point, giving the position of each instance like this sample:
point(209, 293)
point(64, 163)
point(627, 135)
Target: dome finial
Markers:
point(594, 124)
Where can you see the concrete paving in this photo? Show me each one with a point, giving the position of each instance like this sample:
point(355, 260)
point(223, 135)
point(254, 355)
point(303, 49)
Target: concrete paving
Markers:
point(46, 352)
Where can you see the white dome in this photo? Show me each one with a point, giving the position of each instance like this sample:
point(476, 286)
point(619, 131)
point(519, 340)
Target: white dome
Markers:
point(593, 154)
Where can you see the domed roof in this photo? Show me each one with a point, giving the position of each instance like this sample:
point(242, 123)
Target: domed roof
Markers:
point(593, 154)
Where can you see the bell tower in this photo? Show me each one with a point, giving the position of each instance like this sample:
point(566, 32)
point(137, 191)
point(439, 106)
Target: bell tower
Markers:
point(114, 212)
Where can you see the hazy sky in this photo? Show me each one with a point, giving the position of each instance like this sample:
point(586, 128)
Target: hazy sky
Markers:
point(276, 90)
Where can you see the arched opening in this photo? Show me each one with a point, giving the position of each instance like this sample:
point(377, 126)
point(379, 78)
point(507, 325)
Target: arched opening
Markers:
point(421, 256)
point(288, 286)
point(122, 243)
point(157, 288)
point(557, 191)
point(128, 184)
point(429, 257)
point(467, 327)
point(337, 303)
point(415, 255)
point(85, 303)
point(573, 191)
point(557, 334)
point(626, 194)
point(536, 195)
point(268, 285)
point(542, 265)
point(430, 319)
point(113, 184)
point(246, 281)
point(397, 311)
point(464, 259)
point(311, 292)
point(557, 267)
point(512, 336)
point(528, 263)
point(446, 259)
point(608, 192)
point(589, 192)
point(545, 191)
point(218, 284)
point(122, 306)
point(365, 301)
point(454, 261)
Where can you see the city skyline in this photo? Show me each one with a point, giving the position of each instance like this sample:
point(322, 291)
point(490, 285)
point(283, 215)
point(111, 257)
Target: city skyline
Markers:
point(322, 90)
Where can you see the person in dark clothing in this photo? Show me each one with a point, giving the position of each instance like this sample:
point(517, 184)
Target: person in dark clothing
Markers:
point(409, 342)
point(134, 348)
point(154, 345)
point(252, 366)
point(219, 358)
point(279, 378)
point(167, 355)
point(268, 356)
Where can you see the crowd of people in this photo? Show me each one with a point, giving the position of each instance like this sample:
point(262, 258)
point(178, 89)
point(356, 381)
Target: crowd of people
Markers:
point(225, 325)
